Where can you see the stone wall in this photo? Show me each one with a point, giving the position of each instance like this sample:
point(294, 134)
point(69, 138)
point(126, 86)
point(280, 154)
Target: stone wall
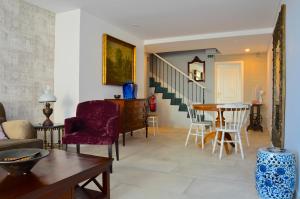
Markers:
point(26, 58)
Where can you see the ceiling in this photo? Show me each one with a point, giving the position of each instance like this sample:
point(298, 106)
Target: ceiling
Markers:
point(156, 19)
point(228, 45)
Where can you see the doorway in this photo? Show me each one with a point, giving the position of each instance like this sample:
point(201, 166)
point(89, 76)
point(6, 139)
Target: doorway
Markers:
point(229, 82)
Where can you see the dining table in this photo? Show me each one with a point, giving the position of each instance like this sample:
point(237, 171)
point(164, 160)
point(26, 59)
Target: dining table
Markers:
point(218, 120)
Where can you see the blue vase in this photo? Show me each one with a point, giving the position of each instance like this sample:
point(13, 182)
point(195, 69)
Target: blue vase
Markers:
point(129, 90)
point(275, 173)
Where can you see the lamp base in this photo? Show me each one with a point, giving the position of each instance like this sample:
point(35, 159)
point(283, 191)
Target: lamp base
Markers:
point(47, 112)
point(47, 122)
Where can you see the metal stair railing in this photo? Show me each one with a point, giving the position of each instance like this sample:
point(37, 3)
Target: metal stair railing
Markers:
point(175, 81)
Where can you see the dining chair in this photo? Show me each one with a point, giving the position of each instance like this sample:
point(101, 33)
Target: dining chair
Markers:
point(235, 117)
point(197, 126)
point(152, 117)
point(153, 120)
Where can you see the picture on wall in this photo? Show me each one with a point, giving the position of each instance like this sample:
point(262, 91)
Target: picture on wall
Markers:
point(118, 61)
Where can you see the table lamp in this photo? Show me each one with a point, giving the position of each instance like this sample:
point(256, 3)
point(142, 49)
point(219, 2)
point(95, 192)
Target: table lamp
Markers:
point(47, 97)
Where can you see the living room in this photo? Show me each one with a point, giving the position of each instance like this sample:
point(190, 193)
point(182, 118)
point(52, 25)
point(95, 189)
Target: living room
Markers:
point(57, 47)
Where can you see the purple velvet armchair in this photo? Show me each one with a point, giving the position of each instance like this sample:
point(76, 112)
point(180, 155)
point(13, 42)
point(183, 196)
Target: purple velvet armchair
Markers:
point(96, 122)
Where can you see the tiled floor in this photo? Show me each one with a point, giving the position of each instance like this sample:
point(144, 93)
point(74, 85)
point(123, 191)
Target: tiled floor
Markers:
point(161, 167)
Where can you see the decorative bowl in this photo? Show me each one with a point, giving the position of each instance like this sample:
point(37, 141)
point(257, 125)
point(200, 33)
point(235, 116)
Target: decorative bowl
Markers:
point(117, 96)
point(21, 161)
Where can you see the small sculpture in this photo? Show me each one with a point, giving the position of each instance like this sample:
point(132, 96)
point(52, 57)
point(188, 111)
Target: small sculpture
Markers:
point(260, 94)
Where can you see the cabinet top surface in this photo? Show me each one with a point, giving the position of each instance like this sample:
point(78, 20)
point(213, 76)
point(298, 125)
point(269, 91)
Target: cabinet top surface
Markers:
point(126, 99)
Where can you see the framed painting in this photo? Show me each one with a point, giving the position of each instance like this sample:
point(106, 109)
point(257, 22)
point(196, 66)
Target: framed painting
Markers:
point(118, 61)
point(279, 80)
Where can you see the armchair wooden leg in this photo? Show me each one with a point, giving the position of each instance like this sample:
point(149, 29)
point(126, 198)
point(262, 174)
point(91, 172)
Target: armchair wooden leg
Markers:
point(146, 131)
point(78, 148)
point(110, 155)
point(123, 139)
point(110, 151)
point(66, 147)
point(131, 133)
point(117, 149)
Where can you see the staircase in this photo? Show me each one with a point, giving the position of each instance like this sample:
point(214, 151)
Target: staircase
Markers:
point(174, 84)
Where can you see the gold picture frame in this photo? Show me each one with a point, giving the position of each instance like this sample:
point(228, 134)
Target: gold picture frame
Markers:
point(118, 61)
point(279, 80)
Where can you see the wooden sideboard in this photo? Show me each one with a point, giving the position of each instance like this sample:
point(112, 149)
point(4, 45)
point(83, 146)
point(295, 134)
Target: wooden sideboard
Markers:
point(133, 115)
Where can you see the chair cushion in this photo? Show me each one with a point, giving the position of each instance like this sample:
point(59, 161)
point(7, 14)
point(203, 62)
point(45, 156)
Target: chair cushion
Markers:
point(86, 137)
point(204, 123)
point(19, 129)
point(151, 114)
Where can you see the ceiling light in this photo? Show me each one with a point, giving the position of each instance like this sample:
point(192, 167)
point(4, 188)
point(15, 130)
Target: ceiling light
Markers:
point(247, 50)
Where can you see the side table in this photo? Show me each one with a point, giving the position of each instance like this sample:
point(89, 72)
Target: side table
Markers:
point(56, 127)
point(255, 118)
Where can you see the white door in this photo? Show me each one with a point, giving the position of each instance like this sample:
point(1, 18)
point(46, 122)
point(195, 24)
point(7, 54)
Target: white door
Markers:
point(228, 82)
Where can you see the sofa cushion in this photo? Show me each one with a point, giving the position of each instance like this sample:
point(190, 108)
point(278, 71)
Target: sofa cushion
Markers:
point(20, 143)
point(19, 129)
point(88, 138)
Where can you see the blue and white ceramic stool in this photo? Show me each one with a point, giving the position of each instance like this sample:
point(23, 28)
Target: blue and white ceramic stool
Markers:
point(275, 173)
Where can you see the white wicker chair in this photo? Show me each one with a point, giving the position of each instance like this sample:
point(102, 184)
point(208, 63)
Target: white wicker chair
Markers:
point(153, 120)
point(197, 125)
point(238, 115)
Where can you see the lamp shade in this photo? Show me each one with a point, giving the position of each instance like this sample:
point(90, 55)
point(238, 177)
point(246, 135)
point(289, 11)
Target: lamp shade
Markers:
point(47, 96)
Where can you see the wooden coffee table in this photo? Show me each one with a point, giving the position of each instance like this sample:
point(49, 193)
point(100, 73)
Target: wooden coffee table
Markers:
point(57, 177)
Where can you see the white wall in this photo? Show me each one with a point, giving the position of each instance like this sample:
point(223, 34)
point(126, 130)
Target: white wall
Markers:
point(292, 114)
point(169, 116)
point(66, 65)
point(146, 73)
point(90, 71)
point(78, 61)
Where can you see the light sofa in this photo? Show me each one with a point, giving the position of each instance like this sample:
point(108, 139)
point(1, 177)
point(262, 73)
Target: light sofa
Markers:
point(20, 133)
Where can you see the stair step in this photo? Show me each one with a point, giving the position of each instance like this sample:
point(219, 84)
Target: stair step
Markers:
point(182, 107)
point(176, 101)
point(159, 89)
point(168, 95)
point(151, 82)
point(151, 85)
point(156, 84)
